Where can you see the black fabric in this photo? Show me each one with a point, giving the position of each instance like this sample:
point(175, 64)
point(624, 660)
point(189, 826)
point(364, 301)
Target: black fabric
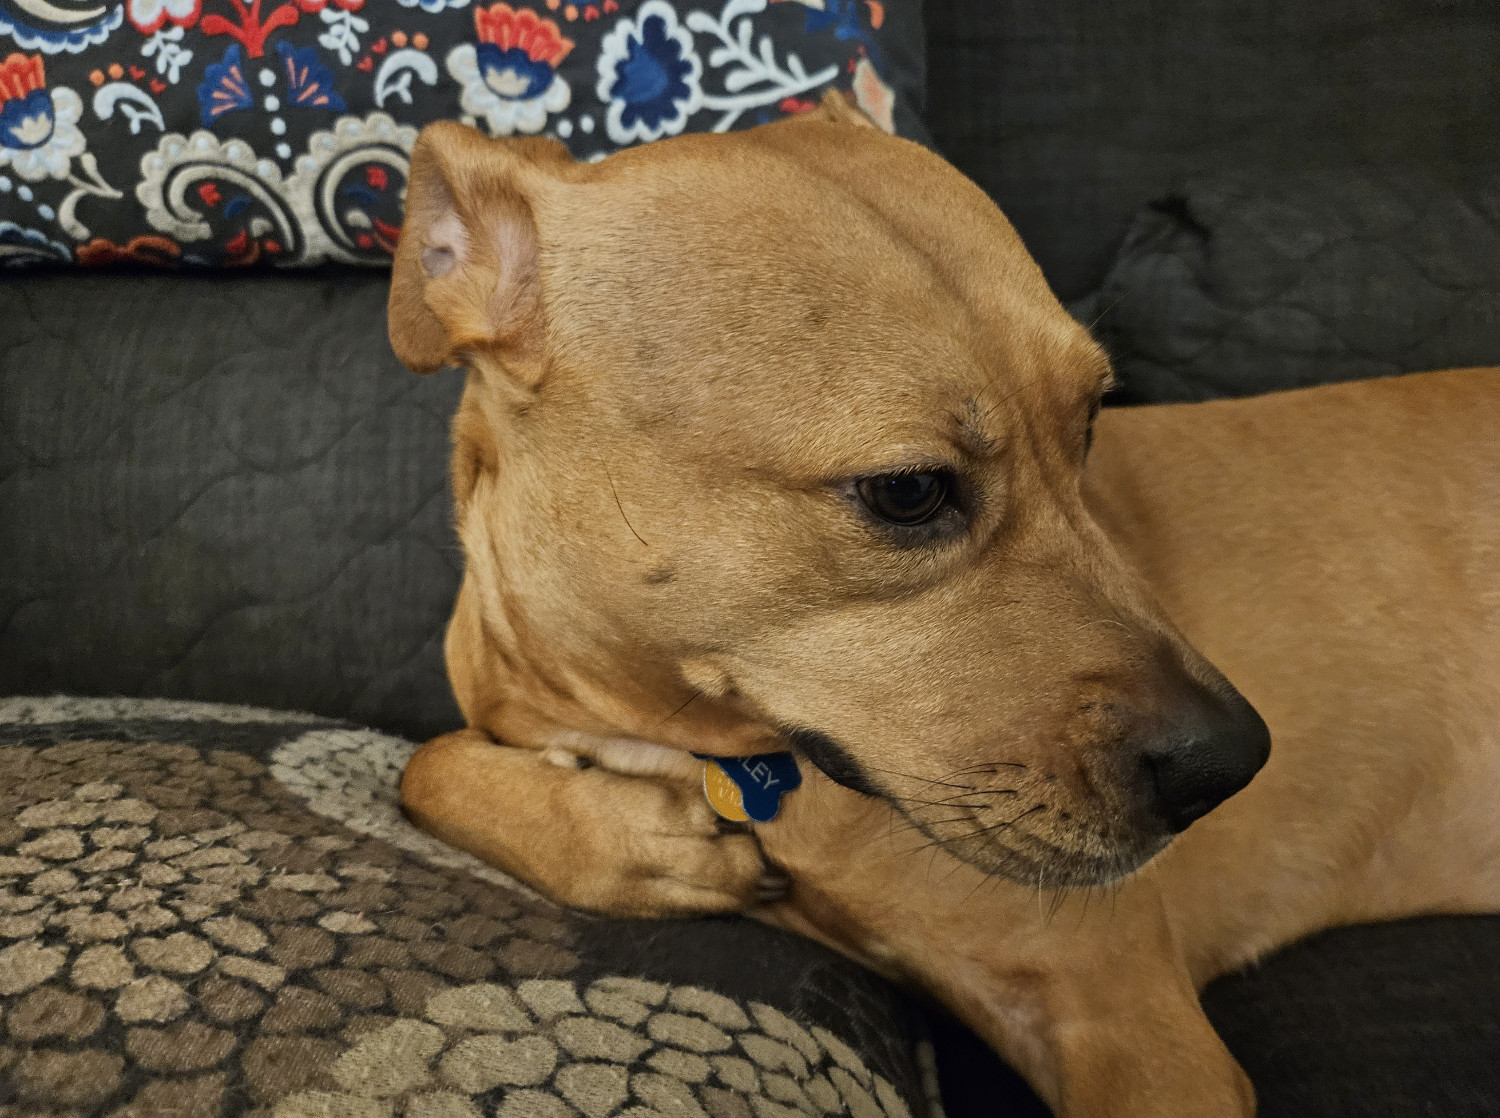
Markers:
point(975, 1082)
point(1240, 284)
point(1073, 114)
point(223, 489)
point(1391, 1021)
point(210, 132)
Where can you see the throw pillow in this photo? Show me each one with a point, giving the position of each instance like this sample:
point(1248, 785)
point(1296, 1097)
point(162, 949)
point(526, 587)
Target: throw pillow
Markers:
point(236, 132)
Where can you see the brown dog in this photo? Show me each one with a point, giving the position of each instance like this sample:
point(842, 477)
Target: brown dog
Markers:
point(780, 437)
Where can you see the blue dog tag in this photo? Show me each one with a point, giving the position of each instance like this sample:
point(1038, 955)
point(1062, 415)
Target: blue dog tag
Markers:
point(749, 788)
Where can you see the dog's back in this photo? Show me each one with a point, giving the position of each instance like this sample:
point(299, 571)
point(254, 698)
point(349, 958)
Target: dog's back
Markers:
point(1337, 551)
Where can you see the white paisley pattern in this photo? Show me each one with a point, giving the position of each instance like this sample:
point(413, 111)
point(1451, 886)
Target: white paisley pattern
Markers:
point(165, 194)
point(337, 223)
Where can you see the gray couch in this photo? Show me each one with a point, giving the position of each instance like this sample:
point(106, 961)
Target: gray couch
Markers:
point(225, 488)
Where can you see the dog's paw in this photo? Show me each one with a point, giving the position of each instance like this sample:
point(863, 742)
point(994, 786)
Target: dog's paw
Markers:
point(658, 849)
point(616, 826)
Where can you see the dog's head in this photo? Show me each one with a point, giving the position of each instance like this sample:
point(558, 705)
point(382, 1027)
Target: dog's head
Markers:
point(779, 436)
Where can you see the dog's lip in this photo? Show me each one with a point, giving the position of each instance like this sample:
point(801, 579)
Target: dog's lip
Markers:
point(834, 761)
point(1023, 857)
point(1038, 862)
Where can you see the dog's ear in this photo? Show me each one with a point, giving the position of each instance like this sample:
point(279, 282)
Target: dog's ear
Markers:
point(840, 108)
point(467, 273)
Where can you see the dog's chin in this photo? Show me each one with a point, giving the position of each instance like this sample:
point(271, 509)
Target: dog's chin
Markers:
point(1070, 857)
point(1037, 862)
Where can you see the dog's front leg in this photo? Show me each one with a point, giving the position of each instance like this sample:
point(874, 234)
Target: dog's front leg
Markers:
point(1129, 1040)
point(1088, 997)
point(1093, 1008)
point(590, 837)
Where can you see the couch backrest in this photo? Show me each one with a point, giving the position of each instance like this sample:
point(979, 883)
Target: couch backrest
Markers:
point(1074, 113)
point(228, 489)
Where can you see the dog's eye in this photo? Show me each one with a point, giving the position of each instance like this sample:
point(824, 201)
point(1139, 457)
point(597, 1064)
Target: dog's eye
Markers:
point(905, 499)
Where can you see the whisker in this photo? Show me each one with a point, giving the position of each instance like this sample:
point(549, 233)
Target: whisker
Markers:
point(946, 822)
point(913, 776)
point(954, 799)
point(990, 767)
point(939, 843)
point(1098, 318)
point(1058, 896)
point(1004, 823)
point(697, 694)
point(618, 505)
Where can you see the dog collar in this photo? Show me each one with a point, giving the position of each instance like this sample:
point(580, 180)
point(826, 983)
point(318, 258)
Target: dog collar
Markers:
point(745, 789)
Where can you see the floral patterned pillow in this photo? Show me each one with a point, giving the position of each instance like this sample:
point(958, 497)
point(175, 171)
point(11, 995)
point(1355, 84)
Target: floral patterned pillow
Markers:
point(235, 132)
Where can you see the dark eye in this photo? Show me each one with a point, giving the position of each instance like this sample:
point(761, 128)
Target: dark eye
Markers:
point(905, 499)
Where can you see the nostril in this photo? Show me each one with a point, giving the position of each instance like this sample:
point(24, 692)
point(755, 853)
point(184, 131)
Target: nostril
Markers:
point(1193, 777)
point(1179, 791)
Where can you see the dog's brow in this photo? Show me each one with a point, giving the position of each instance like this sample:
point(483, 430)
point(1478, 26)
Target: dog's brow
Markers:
point(967, 434)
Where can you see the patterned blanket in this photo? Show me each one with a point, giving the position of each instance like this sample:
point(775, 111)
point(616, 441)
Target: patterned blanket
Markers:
point(211, 910)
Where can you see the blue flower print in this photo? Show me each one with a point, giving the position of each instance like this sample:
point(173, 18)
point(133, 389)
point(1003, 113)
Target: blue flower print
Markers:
point(27, 122)
point(38, 133)
point(309, 84)
point(648, 73)
point(843, 17)
point(649, 80)
point(224, 88)
point(509, 77)
point(52, 29)
point(513, 74)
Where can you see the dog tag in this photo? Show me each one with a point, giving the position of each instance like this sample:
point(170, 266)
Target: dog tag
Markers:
point(743, 789)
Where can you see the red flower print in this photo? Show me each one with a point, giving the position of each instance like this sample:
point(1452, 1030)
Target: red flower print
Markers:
point(505, 27)
point(19, 75)
point(145, 249)
point(251, 32)
point(150, 16)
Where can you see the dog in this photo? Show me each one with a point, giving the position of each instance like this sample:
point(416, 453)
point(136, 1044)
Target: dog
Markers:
point(780, 440)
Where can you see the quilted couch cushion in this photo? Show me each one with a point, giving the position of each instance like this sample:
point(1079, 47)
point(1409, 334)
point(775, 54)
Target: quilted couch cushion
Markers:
point(1238, 284)
point(1073, 114)
point(216, 132)
point(210, 911)
point(223, 489)
point(1388, 1021)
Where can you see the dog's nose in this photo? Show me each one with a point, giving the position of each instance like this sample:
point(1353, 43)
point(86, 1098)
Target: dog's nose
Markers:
point(1214, 749)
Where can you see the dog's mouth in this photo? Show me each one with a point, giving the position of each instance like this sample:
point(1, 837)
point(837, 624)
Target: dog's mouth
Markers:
point(1004, 847)
point(1007, 832)
point(833, 760)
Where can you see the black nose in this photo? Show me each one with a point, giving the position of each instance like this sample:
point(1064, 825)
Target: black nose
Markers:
point(1215, 746)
